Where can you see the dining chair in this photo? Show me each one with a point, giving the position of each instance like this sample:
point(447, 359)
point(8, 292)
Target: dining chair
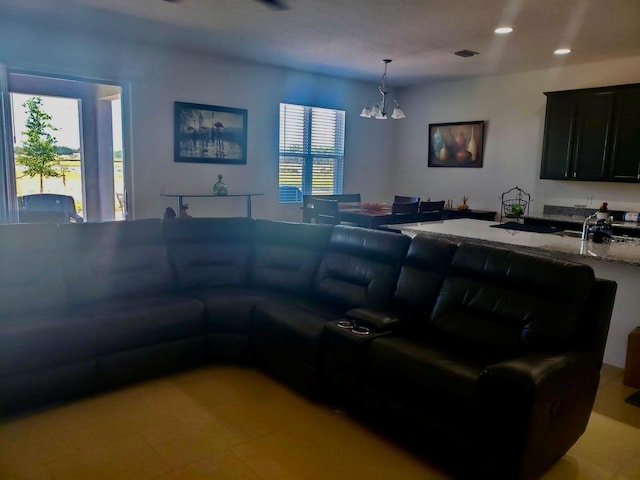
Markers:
point(47, 208)
point(403, 199)
point(404, 212)
point(307, 203)
point(326, 211)
point(430, 211)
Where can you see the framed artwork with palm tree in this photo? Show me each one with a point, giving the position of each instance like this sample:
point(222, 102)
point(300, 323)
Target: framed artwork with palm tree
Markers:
point(210, 134)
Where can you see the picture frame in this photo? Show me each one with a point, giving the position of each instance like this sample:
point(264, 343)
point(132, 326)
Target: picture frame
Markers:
point(209, 134)
point(456, 144)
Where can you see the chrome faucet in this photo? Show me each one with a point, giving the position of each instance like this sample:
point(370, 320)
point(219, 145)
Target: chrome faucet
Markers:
point(586, 227)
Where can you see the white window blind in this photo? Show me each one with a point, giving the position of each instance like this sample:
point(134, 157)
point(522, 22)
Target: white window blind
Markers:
point(311, 151)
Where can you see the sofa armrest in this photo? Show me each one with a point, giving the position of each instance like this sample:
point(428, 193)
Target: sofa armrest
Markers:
point(538, 375)
point(375, 319)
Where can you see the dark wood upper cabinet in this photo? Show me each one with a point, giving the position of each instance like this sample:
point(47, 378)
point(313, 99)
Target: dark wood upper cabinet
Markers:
point(625, 165)
point(557, 148)
point(589, 135)
point(593, 130)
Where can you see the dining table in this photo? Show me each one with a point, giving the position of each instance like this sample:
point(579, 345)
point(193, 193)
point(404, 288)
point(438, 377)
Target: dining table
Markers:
point(371, 216)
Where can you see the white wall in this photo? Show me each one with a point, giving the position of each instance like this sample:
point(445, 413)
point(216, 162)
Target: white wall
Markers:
point(158, 77)
point(513, 108)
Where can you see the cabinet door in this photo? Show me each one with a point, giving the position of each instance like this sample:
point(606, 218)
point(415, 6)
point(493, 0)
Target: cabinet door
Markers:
point(558, 135)
point(626, 143)
point(593, 131)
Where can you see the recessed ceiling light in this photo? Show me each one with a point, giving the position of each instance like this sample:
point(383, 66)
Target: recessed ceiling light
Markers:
point(562, 51)
point(503, 30)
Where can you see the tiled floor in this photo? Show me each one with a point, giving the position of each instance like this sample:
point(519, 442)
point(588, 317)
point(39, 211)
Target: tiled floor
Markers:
point(237, 423)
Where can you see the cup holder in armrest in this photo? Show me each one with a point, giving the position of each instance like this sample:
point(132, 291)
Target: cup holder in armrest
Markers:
point(360, 330)
point(376, 320)
point(348, 324)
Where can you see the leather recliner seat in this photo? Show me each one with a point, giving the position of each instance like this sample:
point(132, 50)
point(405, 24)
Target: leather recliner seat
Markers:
point(359, 267)
point(117, 274)
point(486, 358)
point(47, 348)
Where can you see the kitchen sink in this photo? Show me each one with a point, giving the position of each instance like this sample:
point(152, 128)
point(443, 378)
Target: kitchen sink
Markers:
point(614, 238)
point(568, 233)
point(627, 240)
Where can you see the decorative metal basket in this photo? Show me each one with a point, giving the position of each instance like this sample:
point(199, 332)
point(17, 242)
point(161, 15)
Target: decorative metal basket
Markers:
point(512, 197)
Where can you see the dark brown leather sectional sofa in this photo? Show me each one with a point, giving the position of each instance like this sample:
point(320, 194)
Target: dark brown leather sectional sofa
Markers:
point(492, 353)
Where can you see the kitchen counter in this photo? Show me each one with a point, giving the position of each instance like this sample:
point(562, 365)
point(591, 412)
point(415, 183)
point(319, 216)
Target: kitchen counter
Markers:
point(579, 219)
point(563, 243)
point(615, 261)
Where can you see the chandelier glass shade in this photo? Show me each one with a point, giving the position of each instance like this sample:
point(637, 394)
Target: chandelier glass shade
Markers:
point(379, 109)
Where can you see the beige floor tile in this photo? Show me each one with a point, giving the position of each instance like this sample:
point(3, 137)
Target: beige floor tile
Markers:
point(385, 459)
point(24, 441)
point(225, 466)
point(111, 423)
point(37, 471)
point(571, 468)
point(252, 421)
point(630, 471)
point(260, 459)
point(609, 373)
point(226, 422)
point(607, 443)
point(283, 455)
point(610, 403)
point(108, 422)
point(258, 416)
point(359, 469)
point(191, 439)
point(133, 459)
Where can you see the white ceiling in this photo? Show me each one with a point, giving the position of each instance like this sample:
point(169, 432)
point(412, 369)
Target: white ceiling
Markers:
point(349, 37)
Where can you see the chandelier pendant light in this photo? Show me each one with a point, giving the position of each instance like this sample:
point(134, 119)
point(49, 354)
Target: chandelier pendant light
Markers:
point(379, 110)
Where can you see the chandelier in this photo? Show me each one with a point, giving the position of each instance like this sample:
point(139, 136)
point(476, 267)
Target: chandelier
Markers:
point(379, 110)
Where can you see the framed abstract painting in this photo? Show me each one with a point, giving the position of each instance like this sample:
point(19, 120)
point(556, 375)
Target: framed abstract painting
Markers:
point(210, 134)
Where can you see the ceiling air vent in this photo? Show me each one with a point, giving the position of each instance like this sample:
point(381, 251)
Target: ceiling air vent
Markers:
point(465, 53)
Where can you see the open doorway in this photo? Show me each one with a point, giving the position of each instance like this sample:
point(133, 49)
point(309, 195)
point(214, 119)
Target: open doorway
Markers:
point(68, 149)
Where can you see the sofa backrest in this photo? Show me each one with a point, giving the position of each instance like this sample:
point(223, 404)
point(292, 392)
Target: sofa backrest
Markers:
point(209, 252)
point(422, 274)
point(114, 259)
point(286, 255)
point(360, 267)
point(31, 276)
point(505, 302)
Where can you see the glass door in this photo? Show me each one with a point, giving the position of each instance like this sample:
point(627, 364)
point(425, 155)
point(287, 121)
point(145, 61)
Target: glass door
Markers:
point(47, 157)
point(8, 205)
point(62, 145)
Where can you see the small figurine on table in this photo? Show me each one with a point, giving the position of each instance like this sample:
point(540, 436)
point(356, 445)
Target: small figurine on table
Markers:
point(183, 211)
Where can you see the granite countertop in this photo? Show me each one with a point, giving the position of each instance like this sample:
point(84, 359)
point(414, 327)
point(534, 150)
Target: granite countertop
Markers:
point(579, 219)
point(479, 231)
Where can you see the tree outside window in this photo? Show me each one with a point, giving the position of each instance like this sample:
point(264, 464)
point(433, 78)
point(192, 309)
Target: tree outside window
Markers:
point(38, 153)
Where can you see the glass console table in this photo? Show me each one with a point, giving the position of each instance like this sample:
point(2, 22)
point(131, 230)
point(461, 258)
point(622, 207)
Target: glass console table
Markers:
point(181, 196)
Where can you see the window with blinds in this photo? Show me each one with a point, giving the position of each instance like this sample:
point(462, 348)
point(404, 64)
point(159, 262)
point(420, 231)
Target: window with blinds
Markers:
point(311, 152)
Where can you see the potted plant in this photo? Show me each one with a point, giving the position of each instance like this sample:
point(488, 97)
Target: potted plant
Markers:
point(603, 211)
